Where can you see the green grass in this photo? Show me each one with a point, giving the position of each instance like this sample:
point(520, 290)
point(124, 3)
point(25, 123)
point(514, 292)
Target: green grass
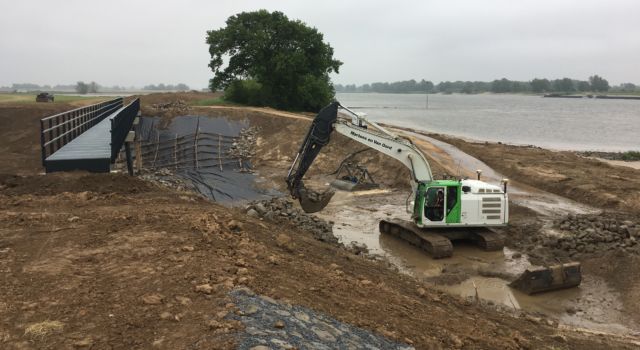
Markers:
point(217, 101)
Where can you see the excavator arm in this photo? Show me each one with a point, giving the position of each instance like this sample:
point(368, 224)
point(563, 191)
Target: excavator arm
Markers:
point(317, 137)
point(361, 130)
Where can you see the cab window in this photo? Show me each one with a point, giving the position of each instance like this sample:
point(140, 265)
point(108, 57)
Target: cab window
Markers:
point(434, 204)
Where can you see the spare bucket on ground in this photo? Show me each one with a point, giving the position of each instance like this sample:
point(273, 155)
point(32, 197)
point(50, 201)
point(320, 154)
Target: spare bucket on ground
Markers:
point(545, 279)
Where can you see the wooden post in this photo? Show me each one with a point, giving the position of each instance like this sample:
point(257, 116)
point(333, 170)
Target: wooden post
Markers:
point(127, 151)
point(175, 151)
point(195, 145)
point(138, 149)
point(220, 151)
point(157, 146)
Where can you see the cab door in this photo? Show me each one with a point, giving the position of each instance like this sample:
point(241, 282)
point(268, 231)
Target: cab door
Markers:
point(453, 204)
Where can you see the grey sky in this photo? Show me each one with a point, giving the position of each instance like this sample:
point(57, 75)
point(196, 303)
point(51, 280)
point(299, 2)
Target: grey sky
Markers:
point(143, 41)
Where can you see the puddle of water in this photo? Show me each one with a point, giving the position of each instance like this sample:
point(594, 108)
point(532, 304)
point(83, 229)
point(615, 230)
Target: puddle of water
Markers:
point(593, 305)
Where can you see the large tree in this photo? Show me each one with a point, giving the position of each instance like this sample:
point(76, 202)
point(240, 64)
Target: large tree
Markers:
point(272, 60)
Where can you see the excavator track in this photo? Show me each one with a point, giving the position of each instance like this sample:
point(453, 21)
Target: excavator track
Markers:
point(487, 239)
point(437, 242)
point(437, 246)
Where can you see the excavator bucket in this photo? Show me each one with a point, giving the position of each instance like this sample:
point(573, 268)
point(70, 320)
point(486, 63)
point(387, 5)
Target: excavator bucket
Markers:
point(544, 279)
point(311, 201)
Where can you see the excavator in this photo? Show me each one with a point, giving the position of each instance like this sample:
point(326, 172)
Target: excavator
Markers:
point(441, 211)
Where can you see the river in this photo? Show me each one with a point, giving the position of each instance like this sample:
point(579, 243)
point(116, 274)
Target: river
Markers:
point(556, 123)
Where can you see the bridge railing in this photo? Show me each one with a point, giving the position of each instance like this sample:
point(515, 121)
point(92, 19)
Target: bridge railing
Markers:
point(120, 126)
point(59, 129)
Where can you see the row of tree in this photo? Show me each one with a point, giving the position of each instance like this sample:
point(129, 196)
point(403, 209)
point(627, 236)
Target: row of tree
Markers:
point(168, 87)
point(564, 85)
point(87, 88)
point(92, 87)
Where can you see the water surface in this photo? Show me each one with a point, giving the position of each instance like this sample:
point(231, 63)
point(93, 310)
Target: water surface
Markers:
point(556, 123)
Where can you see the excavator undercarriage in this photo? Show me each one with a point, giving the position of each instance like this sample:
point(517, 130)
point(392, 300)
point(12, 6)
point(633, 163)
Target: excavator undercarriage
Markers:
point(438, 242)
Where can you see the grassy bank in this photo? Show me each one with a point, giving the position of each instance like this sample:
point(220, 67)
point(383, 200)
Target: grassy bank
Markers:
point(31, 98)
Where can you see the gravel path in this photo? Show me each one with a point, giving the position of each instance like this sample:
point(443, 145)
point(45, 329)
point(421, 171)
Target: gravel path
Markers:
point(272, 325)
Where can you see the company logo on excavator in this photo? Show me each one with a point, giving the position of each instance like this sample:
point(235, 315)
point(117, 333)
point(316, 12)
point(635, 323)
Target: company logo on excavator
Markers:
point(375, 142)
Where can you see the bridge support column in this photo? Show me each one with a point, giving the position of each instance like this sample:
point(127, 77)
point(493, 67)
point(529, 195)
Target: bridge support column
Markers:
point(127, 150)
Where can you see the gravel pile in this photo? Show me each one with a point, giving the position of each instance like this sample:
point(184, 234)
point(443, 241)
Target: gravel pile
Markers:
point(588, 234)
point(244, 147)
point(273, 325)
point(172, 106)
point(166, 178)
point(281, 209)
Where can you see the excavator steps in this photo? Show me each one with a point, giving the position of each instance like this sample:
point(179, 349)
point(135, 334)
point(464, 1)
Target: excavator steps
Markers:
point(438, 244)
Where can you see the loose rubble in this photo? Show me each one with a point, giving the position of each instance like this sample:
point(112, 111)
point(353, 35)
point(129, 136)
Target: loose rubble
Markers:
point(244, 147)
point(166, 178)
point(281, 209)
point(273, 325)
point(582, 235)
point(177, 106)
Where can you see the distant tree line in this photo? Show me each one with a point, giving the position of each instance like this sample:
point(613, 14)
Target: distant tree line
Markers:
point(84, 88)
point(168, 87)
point(595, 83)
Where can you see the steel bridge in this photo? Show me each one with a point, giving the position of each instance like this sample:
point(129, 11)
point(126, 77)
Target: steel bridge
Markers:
point(87, 138)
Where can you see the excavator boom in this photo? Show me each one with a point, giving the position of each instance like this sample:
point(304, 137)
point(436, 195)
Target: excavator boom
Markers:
point(358, 130)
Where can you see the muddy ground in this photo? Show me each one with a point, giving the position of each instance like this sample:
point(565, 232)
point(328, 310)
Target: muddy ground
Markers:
point(613, 189)
point(108, 261)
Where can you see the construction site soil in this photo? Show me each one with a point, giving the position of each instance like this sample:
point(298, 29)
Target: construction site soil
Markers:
point(109, 261)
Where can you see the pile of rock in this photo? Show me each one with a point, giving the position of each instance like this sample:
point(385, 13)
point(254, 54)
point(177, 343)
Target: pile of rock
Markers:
point(358, 248)
point(281, 209)
point(244, 147)
point(166, 178)
point(178, 106)
point(587, 234)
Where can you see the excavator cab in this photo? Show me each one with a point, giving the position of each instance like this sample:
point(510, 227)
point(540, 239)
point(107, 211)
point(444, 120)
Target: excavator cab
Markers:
point(438, 203)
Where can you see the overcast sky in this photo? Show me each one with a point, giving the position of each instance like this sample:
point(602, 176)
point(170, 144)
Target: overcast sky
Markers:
point(140, 42)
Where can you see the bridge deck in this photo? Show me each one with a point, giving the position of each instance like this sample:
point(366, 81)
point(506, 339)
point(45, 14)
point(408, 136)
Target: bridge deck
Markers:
point(89, 151)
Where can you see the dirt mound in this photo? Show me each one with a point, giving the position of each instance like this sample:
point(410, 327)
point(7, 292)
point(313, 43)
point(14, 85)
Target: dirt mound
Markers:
point(20, 135)
point(171, 104)
point(56, 183)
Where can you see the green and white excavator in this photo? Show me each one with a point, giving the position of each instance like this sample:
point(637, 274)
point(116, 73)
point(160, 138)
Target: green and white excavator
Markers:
point(441, 210)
